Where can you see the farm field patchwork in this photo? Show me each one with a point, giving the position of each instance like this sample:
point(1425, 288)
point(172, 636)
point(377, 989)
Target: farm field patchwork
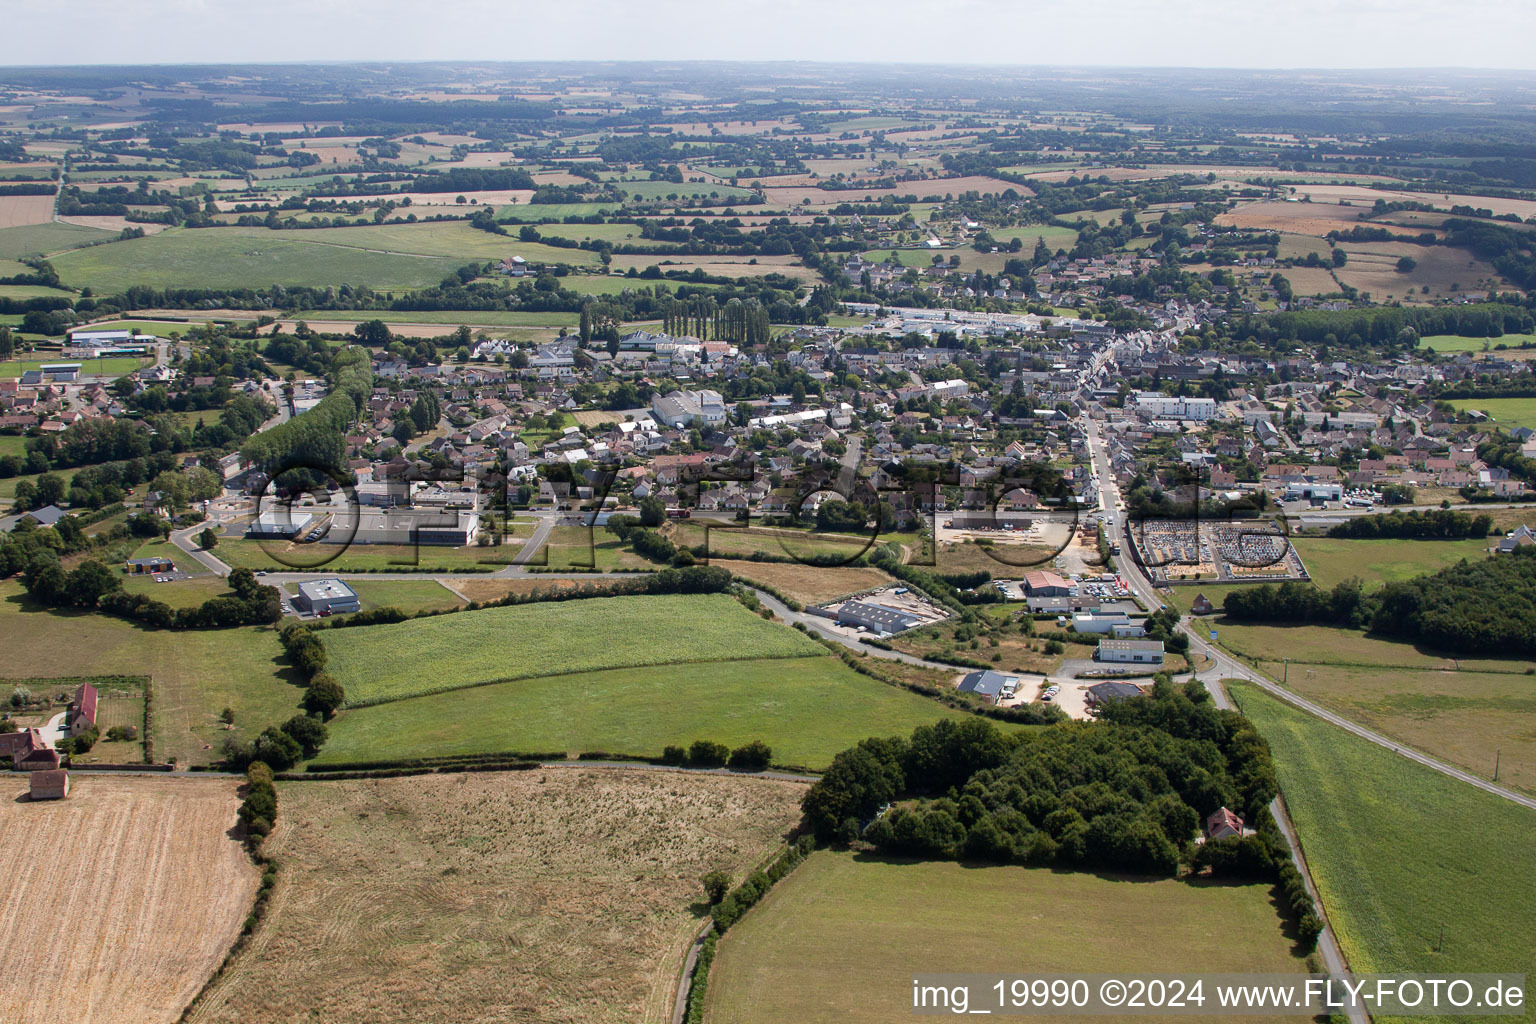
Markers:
point(562, 894)
point(379, 663)
point(1386, 841)
point(169, 885)
point(851, 929)
point(805, 708)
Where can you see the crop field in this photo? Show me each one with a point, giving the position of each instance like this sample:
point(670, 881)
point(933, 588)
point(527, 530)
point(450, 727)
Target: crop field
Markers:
point(563, 894)
point(851, 929)
point(1386, 841)
point(41, 239)
point(379, 663)
point(451, 239)
point(805, 708)
point(196, 673)
point(559, 211)
point(243, 257)
point(807, 584)
point(20, 211)
point(1372, 267)
point(252, 554)
point(1508, 413)
point(1477, 720)
point(407, 595)
point(166, 888)
point(1511, 343)
point(1331, 560)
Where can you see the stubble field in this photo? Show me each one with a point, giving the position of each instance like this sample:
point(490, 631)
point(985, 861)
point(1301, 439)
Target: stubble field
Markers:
point(561, 895)
point(120, 900)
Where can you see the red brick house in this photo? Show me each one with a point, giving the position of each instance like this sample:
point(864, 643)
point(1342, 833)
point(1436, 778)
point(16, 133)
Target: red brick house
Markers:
point(1223, 823)
point(28, 751)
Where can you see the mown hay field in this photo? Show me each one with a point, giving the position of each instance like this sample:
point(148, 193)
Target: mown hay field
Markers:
point(121, 900)
point(808, 584)
point(807, 709)
point(1407, 860)
point(562, 895)
point(380, 663)
point(19, 211)
point(852, 930)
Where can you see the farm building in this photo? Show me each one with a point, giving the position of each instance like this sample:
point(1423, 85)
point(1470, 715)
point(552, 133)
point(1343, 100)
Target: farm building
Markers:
point(326, 597)
point(994, 686)
point(1103, 693)
point(52, 784)
point(28, 751)
point(1223, 823)
point(82, 710)
point(1042, 583)
point(60, 371)
point(876, 617)
point(1136, 652)
point(280, 522)
point(143, 566)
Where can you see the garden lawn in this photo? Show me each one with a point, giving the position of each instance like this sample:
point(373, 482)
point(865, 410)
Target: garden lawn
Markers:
point(1400, 852)
point(807, 709)
point(389, 662)
point(852, 930)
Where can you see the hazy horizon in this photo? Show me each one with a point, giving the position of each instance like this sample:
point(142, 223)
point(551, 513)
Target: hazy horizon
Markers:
point(1307, 35)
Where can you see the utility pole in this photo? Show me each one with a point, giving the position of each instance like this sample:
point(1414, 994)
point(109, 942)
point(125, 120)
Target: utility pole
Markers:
point(1286, 679)
point(1496, 754)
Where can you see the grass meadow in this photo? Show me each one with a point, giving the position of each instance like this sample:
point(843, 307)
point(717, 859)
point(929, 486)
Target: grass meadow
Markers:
point(1508, 413)
point(1331, 560)
point(1400, 852)
point(852, 929)
point(805, 708)
point(42, 239)
point(382, 663)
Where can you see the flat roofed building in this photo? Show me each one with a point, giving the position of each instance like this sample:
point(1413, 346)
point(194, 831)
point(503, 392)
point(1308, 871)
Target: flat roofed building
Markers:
point(326, 596)
point(875, 617)
point(280, 522)
point(1136, 652)
point(455, 528)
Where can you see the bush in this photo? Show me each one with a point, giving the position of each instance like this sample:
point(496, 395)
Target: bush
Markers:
point(716, 885)
point(309, 733)
point(324, 695)
point(674, 755)
point(751, 757)
point(705, 754)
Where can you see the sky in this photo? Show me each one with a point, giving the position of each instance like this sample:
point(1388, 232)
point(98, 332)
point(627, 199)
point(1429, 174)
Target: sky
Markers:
point(1479, 34)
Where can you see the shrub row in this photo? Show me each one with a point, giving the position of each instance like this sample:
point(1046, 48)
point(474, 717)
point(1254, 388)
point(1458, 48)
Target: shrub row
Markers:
point(749, 757)
point(742, 898)
point(433, 763)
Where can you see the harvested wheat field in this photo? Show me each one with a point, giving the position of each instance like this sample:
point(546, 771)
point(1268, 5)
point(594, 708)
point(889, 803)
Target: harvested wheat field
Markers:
point(556, 895)
point(121, 900)
point(19, 211)
point(472, 589)
point(808, 584)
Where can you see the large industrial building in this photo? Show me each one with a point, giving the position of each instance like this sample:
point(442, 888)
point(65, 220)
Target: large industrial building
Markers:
point(445, 528)
point(876, 617)
point(326, 597)
point(280, 522)
point(1135, 652)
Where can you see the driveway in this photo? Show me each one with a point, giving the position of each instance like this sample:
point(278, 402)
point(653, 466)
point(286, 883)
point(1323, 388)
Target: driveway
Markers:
point(55, 729)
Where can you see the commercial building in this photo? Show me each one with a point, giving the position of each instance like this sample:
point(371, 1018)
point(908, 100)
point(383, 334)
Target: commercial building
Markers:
point(689, 408)
point(1103, 693)
point(993, 686)
point(1043, 583)
point(1135, 652)
point(1098, 622)
point(280, 522)
point(875, 617)
point(326, 597)
point(144, 566)
point(455, 528)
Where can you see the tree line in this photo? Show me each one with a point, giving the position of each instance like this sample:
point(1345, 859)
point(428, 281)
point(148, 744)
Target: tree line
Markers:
point(1436, 524)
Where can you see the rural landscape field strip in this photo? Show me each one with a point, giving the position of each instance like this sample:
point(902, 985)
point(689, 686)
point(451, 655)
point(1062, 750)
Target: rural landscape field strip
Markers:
point(1407, 861)
point(805, 708)
point(560, 895)
point(128, 893)
point(382, 663)
point(852, 929)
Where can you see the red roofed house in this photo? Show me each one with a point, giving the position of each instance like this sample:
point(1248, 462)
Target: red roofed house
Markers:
point(82, 713)
point(1223, 823)
point(28, 751)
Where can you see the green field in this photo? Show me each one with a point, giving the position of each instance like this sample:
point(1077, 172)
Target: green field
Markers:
point(1330, 561)
point(485, 318)
point(852, 930)
point(406, 595)
point(455, 240)
point(250, 554)
point(32, 291)
point(1451, 343)
point(379, 663)
point(1508, 413)
point(1473, 719)
point(243, 257)
point(806, 708)
point(662, 189)
point(1400, 852)
point(559, 211)
point(41, 239)
point(196, 673)
point(188, 593)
